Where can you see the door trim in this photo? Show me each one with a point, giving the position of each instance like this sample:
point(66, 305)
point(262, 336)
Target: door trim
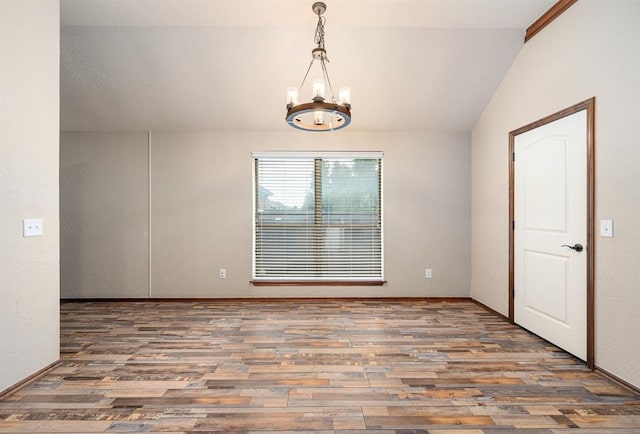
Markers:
point(589, 106)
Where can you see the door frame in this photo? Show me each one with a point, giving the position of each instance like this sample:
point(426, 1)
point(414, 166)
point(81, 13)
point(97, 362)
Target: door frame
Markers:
point(589, 106)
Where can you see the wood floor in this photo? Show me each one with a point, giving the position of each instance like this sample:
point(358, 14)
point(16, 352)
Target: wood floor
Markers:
point(322, 366)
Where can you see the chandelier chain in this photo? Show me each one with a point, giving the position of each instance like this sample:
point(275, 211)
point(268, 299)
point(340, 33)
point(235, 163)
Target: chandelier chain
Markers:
point(319, 37)
point(319, 40)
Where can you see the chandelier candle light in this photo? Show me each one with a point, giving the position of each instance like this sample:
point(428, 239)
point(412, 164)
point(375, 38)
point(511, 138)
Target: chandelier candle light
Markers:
point(319, 115)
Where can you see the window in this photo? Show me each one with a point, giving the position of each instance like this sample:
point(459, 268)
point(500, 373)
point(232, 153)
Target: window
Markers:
point(318, 218)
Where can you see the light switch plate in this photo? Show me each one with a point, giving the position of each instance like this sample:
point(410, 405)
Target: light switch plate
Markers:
point(32, 227)
point(428, 273)
point(606, 228)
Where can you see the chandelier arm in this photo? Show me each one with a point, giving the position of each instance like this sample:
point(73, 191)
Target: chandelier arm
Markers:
point(307, 73)
point(326, 76)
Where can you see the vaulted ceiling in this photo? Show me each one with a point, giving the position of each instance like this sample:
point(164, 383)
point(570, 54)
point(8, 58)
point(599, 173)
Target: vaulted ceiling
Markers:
point(225, 64)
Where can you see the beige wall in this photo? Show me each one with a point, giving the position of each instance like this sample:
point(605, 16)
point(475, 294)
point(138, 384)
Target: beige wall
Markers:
point(29, 125)
point(104, 215)
point(201, 205)
point(591, 50)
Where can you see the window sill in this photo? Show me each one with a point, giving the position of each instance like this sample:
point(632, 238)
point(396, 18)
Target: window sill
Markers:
point(318, 282)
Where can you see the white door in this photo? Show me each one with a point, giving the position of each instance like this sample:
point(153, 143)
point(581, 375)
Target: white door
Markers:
point(550, 215)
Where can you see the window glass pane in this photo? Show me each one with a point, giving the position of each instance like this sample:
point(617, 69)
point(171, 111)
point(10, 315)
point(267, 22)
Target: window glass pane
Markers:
point(351, 215)
point(284, 217)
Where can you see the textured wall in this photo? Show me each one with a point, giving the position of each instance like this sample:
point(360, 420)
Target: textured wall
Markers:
point(29, 125)
point(591, 50)
point(201, 211)
point(104, 214)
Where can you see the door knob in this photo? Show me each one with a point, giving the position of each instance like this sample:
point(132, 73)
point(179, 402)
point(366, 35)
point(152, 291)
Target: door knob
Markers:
point(576, 247)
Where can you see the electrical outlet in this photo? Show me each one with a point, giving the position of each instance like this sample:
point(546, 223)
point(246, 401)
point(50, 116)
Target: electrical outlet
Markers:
point(222, 273)
point(428, 273)
point(32, 227)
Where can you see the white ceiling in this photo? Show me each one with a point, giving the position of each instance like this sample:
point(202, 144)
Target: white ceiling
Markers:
point(225, 64)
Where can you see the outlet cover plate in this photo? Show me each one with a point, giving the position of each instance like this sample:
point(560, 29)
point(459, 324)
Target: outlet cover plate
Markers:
point(606, 228)
point(32, 228)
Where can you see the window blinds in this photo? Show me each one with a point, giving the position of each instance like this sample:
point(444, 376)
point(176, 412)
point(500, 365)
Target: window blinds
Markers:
point(318, 218)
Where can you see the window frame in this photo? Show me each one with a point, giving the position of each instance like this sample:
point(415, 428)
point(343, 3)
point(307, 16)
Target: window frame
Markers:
point(298, 281)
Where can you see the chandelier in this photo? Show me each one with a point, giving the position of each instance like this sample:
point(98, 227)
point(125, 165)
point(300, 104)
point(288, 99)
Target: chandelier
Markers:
point(322, 113)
